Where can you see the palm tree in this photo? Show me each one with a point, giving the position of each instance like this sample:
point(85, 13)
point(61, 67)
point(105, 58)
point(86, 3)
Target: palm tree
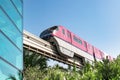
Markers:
point(32, 59)
point(12, 77)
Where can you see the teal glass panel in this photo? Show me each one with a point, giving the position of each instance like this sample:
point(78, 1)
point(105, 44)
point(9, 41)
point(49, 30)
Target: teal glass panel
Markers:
point(18, 4)
point(12, 13)
point(10, 53)
point(7, 70)
point(10, 30)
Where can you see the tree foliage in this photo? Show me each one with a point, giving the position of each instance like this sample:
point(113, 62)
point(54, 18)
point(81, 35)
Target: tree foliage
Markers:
point(104, 70)
point(32, 59)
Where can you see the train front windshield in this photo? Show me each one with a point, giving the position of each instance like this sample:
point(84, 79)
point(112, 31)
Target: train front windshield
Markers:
point(47, 33)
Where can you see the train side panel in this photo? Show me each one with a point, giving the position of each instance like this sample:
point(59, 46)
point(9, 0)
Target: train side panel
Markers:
point(63, 40)
point(102, 55)
point(67, 45)
point(78, 42)
point(64, 34)
point(110, 58)
point(89, 48)
point(80, 48)
point(97, 54)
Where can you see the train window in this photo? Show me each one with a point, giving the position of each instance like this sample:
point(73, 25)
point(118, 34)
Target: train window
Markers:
point(45, 32)
point(57, 28)
point(63, 31)
point(85, 44)
point(80, 41)
point(77, 40)
point(54, 28)
point(68, 34)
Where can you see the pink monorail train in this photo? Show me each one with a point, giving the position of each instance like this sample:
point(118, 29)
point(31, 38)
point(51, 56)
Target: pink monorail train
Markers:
point(69, 45)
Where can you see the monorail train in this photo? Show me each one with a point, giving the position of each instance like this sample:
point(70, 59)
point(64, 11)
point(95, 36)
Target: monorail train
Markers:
point(70, 45)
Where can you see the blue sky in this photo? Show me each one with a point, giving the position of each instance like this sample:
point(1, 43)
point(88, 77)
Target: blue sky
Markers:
point(96, 21)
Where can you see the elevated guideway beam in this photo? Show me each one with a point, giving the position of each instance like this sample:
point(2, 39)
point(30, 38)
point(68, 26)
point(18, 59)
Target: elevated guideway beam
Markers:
point(42, 47)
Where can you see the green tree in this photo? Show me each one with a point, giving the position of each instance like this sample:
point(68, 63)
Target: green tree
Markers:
point(34, 73)
point(12, 77)
point(108, 70)
point(32, 59)
point(34, 65)
point(36, 69)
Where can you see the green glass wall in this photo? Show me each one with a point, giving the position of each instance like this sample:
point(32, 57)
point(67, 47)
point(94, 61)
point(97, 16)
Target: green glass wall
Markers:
point(11, 45)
